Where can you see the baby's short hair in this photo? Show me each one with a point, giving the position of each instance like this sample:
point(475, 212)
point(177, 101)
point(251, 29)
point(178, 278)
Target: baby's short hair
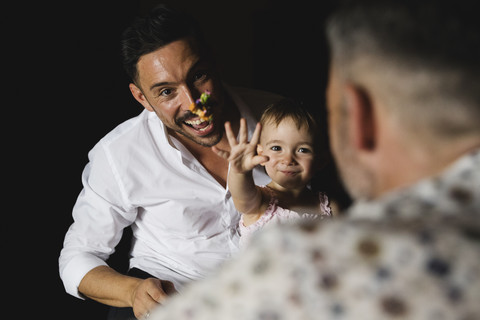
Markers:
point(276, 112)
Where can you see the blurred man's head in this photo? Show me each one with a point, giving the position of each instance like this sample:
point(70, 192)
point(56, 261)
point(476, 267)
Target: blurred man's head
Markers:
point(404, 90)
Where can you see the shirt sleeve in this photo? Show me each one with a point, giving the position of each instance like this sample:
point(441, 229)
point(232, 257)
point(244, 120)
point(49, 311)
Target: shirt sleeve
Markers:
point(100, 214)
point(340, 272)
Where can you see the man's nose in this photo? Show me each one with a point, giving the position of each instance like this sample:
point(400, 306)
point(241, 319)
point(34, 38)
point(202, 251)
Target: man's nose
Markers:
point(186, 98)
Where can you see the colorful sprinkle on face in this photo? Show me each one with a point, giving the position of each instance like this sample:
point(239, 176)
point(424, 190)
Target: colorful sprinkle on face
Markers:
point(200, 106)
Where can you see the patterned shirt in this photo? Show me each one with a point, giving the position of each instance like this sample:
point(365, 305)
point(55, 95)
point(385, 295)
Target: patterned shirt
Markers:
point(414, 254)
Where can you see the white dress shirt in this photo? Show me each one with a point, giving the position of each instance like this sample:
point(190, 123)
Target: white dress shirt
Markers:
point(184, 222)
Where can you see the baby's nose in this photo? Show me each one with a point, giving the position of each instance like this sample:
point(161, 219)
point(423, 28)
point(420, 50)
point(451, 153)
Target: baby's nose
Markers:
point(288, 159)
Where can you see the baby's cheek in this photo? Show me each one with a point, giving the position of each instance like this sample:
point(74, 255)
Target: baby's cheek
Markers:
point(269, 167)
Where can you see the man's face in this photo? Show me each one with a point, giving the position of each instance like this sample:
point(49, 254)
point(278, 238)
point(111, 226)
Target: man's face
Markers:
point(358, 179)
point(170, 79)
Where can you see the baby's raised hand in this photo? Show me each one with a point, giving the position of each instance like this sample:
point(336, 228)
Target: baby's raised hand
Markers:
point(243, 153)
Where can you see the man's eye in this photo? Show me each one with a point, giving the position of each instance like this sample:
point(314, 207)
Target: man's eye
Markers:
point(200, 76)
point(276, 148)
point(165, 92)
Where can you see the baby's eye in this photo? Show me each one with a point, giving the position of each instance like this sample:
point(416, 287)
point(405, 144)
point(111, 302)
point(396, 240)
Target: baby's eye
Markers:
point(276, 148)
point(304, 150)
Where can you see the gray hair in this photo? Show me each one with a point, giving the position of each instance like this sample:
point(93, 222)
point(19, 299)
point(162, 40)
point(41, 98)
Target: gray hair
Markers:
point(422, 59)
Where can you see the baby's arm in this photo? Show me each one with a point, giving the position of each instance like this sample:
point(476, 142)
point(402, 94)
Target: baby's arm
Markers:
point(247, 197)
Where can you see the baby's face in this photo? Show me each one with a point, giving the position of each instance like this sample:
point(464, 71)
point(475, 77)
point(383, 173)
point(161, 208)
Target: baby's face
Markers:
point(291, 154)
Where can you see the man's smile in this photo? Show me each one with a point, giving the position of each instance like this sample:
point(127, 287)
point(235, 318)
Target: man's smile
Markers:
point(199, 126)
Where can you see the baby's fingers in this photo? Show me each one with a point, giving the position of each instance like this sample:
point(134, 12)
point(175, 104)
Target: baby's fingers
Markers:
point(243, 133)
point(232, 140)
point(256, 160)
point(256, 135)
point(221, 153)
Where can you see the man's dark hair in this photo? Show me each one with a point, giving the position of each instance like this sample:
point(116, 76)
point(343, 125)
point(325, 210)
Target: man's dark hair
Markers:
point(163, 25)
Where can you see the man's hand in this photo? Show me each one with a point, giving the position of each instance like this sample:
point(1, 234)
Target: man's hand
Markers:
point(148, 294)
point(105, 285)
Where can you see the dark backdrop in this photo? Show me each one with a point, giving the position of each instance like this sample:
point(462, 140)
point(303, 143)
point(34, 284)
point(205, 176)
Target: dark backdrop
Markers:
point(65, 89)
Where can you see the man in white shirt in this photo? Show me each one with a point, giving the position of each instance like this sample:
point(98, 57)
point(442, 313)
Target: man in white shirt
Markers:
point(404, 123)
point(158, 174)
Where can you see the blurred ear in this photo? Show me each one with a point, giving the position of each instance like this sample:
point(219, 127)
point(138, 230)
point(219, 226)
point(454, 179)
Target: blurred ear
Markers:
point(140, 97)
point(361, 117)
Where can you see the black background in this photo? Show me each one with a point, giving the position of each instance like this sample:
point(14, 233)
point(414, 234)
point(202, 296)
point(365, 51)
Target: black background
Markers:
point(64, 89)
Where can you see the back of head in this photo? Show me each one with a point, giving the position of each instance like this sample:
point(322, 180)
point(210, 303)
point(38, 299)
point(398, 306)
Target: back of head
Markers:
point(163, 25)
point(420, 58)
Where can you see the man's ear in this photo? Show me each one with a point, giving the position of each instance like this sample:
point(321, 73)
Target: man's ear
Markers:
point(140, 97)
point(361, 117)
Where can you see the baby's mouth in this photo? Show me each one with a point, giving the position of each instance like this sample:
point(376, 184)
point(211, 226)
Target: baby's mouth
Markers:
point(289, 173)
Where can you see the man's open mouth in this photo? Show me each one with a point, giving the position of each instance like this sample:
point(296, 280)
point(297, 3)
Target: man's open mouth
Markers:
point(199, 125)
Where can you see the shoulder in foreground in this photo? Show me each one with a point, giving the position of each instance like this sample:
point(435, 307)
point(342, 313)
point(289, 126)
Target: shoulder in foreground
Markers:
point(400, 269)
point(378, 240)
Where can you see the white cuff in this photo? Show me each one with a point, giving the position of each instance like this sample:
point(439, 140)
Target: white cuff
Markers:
point(74, 271)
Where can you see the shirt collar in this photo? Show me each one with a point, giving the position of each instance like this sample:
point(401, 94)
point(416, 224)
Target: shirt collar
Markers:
point(456, 190)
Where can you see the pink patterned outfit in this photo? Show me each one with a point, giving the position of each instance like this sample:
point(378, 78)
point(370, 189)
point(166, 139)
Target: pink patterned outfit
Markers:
point(279, 215)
